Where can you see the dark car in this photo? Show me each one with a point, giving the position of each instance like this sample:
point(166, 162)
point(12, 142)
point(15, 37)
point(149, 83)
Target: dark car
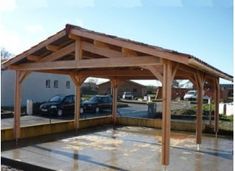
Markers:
point(58, 105)
point(97, 104)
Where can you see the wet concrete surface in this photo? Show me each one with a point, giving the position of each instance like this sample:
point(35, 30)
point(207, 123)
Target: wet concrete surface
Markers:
point(124, 148)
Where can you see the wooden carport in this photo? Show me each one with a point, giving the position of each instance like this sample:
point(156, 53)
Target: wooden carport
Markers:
point(82, 53)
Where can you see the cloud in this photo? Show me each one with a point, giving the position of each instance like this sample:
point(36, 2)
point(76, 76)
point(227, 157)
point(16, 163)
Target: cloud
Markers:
point(7, 5)
point(37, 28)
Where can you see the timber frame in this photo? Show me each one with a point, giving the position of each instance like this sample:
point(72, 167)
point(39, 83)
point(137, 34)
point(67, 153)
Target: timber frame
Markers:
point(81, 53)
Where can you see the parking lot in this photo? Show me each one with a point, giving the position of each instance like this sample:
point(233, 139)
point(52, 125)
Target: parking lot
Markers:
point(131, 110)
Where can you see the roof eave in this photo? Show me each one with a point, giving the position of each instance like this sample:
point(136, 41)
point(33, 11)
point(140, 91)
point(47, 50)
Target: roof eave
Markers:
point(198, 64)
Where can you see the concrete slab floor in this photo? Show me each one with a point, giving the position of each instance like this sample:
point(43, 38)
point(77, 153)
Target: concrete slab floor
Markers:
point(127, 148)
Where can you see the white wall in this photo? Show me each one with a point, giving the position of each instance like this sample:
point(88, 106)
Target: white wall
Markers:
point(33, 87)
point(228, 109)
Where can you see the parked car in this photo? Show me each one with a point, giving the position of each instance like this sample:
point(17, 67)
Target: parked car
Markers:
point(128, 95)
point(97, 104)
point(58, 105)
point(191, 95)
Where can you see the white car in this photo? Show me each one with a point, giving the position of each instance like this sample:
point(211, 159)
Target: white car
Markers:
point(128, 95)
point(192, 95)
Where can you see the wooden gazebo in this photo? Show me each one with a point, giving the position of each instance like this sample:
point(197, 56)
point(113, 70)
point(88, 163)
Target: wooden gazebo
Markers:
point(82, 53)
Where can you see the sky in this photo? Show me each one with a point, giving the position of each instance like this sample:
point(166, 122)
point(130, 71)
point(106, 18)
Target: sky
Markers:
point(202, 28)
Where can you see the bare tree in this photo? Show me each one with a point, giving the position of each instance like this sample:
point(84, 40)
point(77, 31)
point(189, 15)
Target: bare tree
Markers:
point(4, 54)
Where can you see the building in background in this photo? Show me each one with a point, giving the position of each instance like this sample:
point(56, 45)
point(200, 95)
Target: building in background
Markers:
point(138, 90)
point(38, 87)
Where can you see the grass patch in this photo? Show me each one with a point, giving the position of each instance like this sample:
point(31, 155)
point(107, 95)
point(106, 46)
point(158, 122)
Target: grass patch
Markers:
point(226, 118)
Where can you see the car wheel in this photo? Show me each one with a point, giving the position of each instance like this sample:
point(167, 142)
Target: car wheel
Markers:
point(59, 112)
point(81, 110)
point(97, 110)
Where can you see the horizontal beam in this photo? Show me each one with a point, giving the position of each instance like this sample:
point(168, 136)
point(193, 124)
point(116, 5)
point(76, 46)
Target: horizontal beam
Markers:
point(116, 72)
point(90, 63)
point(119, 62)
point(45, 66)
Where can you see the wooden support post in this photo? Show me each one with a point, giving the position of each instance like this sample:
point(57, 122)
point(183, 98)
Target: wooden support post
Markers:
point(77, 105)
point(199, 79)
point(114, 87)
point(77, 80)
point(166, 111)
point(216, 113)
point(17, 108)
point(20, 76)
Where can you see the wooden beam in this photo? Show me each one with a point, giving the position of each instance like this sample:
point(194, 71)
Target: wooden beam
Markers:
point(35, 48)
point(60, 53)
point(90, 63)
point(200, 66)
point(45, 66)
point(175, 68)
point(119, 62)
point(34, 58)
point(127, 52)
point(155, 71)
point(101, 44)
point(17, 108)
point(133, 46)
point(116, 72)
point(78, 50)
point(63, 72)
point(52, 48)
point(23, 75)
point(166, 111)
point(103, 51)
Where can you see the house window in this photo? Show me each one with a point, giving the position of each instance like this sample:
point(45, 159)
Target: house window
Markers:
point(48, 83)
point(134, 90)
point(56, 84)
point(68, 84)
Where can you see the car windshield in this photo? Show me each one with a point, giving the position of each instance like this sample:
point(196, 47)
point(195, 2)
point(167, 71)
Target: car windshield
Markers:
point(93, 99)
point(191, 92)
point(128, 93)
point(56, 99)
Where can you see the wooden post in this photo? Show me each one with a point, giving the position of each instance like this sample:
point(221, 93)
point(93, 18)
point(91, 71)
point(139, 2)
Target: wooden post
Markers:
point(17, 108)
point(199, 86)
point(166, 111)
point(114, 86)
point(77, 80)
point(20, 76)
point(77, 105)
point(217, 96)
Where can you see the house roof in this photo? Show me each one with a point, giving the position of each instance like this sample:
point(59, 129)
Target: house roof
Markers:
point(62, 39)
point(129, 81)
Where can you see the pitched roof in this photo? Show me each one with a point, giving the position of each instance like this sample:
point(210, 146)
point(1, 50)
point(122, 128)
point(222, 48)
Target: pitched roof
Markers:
point(61, 37)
